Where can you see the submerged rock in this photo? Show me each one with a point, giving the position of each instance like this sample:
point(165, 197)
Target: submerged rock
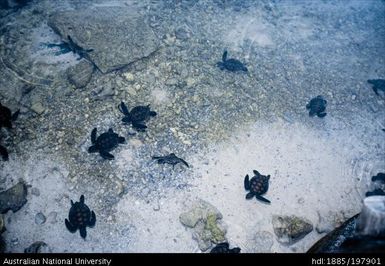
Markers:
point(290, 229)
point(363, 233)
point(80, 74)
point(204, 219)
point(131, 40)
point(332, 241)
point(13, 198)
point(38, 247)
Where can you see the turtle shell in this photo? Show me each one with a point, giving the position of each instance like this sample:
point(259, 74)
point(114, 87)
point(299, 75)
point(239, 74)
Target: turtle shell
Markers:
point(107, 141)
point(79, 215)
point(317, 105)
point(234, 65)
point(140, 113)
point(259, 184)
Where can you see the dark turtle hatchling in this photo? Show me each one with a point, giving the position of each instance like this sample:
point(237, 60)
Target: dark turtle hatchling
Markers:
point(257, 185)
point(317, 106)
point(6, 119)
point(79, 217)
point(170, 159)
point(379, 177)
point(231, 64)
point(378, 84)
point(6, 116)
point(224, 248)
point(105, 143)
point(137, 116)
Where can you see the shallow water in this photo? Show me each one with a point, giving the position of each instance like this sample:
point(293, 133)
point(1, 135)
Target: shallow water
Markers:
point(224, 124)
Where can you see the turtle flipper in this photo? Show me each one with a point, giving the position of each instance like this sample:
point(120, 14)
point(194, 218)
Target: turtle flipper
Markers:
point(92, 220)
point(83, 232)
point(256, 173)
point(4, 153)
point(70, 227)
point(92, 149)
point(224, 56)
point(308, 106)
point(379, 177)
point(106, 155)
point(259, 197)
point(153, 113)
point(121, 139)
point(184, 162)
point(320, 115)
point(15, 115)
point(250, 195)
point(93, 135)
point(82, 199)
point(123, 108)
point(247, 182)
point(235, 250)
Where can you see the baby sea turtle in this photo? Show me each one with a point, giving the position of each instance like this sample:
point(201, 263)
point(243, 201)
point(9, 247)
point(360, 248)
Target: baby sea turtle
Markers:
point(137, 116)
point(231, 64)
point(170, 159)
point(6, 119)
point(379, 177)
point(80, 216)
point(224, 248)
point(257, 185)
point(317, 106)
point(378, 84)
point(6, 116)
point(105, 143)
point(76, 49)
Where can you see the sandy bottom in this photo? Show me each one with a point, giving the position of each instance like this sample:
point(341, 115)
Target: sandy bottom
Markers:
point(319, 171)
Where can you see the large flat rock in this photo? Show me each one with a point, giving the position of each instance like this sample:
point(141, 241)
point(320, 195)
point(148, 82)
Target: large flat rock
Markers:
point(118, 36)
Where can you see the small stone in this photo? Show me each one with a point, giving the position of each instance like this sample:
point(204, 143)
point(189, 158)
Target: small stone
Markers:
point(13, 198)
point(38, 247)
point(156, 207)
point(204, 219)
point(354, 96)
point(129, 76)
point(14, 241)
point(182, 33)
point(35, 191)
point(80, 74)
point(38, 108)
point(190, 81)
point(40, 218)
point(290, 229)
